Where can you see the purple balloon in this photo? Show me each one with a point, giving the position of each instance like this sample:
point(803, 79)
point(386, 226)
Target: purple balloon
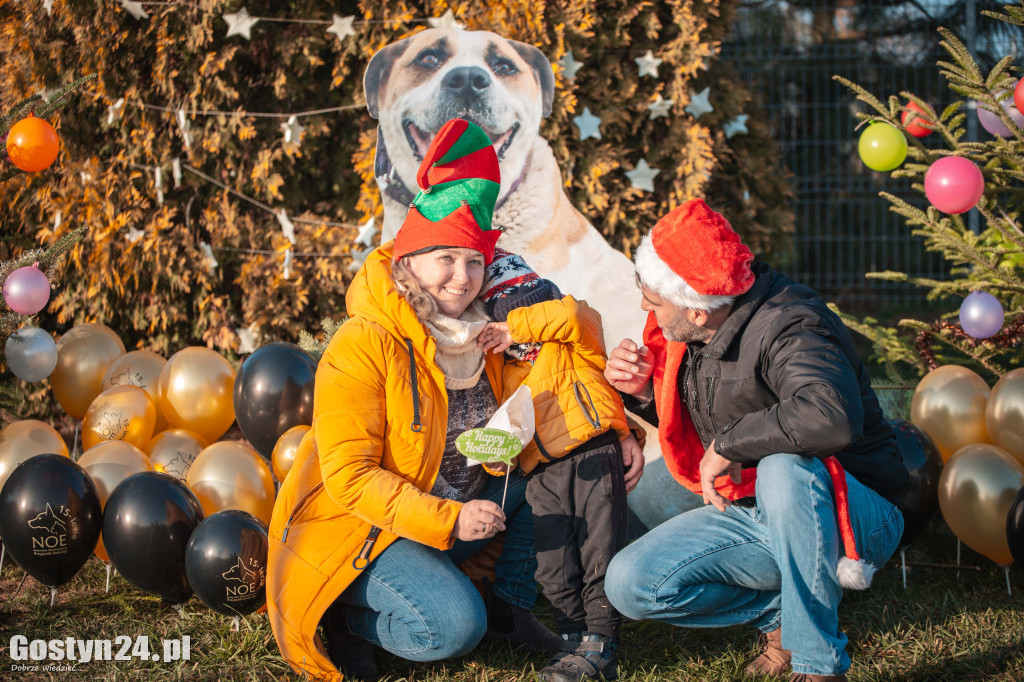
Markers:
point(981, 315)
point(27, 290)
point(993, 124)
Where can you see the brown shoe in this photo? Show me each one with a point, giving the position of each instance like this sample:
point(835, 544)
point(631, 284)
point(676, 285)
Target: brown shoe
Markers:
point(774, 660)
point(517, 626)
point(804, 677)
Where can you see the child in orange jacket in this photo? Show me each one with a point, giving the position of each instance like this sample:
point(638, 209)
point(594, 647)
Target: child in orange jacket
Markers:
point(577, 487)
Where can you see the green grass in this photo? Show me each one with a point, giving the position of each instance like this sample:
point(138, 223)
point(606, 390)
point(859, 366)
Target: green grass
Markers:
point(942, 627)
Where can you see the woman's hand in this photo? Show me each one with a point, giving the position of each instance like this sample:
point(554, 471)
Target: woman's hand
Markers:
point(495, 336)
point(478, 520)
point(633, 460)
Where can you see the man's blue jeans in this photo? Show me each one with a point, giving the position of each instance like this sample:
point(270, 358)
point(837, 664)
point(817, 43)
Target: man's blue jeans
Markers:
point(413, 601)
point(770, 565)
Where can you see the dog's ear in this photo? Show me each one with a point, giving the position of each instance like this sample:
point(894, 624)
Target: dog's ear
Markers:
point(378, 70)
point(542, 69)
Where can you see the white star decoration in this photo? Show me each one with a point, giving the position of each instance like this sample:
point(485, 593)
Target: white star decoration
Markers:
point(240, 24)
point(366, 233)
point(648, 64)
point(342, 26)
point(737, 126)
point(292, 131)
point(446, 20)
point(134, 235)
point(642, 176)
point(569, 65)
point(211, 262)
point(358, 256)
point(134, 9)
point(115, 111)
point(246, 340)
point(660, 107)
point(699, 104)
point(588, 124)
point(286, 225)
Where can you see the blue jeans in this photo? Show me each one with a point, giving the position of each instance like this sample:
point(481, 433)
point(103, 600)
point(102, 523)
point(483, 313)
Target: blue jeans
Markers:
point(770, 565)
point(413, 601)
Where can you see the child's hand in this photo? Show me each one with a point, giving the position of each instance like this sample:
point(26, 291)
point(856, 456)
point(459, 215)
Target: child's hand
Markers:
point(633, 460)
point(495, 337)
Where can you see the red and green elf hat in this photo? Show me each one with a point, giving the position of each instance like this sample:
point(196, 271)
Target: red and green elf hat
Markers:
point(459, 182)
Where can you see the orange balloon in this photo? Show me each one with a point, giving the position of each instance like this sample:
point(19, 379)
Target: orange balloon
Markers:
point(1004, 413)
point(283, 455)
point(229, 475)
point(25, 439)
point(119, 413)
point(139, 368)
point(949, 405)
point(32, 144)
point(173, 451)
point(976, 488)
point(83, 355)
point(108, 464)
point(197, 392)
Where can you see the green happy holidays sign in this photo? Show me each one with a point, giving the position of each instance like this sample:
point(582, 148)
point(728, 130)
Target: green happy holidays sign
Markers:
point(489, 445)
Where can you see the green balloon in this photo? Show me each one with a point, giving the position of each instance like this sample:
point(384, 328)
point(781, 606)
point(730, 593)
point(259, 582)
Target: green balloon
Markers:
point(882, 147)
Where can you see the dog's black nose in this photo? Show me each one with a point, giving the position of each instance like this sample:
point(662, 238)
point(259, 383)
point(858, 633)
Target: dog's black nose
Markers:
point(467, 82)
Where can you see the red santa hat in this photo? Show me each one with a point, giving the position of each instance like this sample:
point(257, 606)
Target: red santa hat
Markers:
point(693, 258)
point(854, 573)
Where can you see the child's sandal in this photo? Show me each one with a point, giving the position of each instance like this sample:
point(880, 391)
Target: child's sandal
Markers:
point(591, 659)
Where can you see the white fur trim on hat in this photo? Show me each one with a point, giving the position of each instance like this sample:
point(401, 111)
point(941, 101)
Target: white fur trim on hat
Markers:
point(855, 574)
point(657, 276)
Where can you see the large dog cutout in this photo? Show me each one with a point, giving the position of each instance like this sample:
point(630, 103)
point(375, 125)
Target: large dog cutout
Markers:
point(413, 87)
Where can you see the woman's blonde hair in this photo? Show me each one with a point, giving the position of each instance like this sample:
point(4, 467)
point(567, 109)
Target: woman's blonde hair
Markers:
point(409, 288)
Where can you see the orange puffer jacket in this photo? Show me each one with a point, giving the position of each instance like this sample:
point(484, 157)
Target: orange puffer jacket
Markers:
point(572, 400)
point(363, 475)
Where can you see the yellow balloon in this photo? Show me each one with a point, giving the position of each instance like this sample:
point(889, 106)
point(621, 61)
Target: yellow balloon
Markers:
point(139, 368)
point(173, 451)
point(24, 439)
point(976, 488)
point(83, 356)
point(283, 455)
point(119, 413)
point(1004, 414)
point(229, 475)
point(197, 392)
point(949, 404)
point(108, 464)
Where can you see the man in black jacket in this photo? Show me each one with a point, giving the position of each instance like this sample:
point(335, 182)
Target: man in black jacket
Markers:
point(765, 409)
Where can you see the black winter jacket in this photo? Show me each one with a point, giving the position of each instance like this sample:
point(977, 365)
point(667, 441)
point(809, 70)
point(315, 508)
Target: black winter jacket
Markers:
point(781, 375)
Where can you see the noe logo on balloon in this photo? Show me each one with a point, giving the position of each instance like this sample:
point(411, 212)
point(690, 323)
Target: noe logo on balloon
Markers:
point(249, 576)
point(53, 526)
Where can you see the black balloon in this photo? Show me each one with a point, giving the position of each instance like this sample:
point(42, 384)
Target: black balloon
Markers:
point(50, 517)
point(147, 523)
point(226, 562)
point(919, 499)
point(273, 393)
point(1015, 529)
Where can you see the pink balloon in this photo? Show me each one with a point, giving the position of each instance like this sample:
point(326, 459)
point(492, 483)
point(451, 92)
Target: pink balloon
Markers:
point(994, 125)
point(27, 290)
point(954, 184)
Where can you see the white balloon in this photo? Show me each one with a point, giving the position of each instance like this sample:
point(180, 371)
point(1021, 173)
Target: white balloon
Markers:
point(31, 353)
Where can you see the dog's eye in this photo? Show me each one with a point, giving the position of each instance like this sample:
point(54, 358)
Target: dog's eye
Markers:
point(503, 67)
point(428, 58)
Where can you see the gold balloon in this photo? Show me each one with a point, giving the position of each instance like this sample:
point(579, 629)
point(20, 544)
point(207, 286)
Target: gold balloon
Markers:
point(976, 488)
point(173, 451)
point(139, 368)
point(1004, 414)
point(229, 475)
point(949, 404)
point(108, 464)
point(25, 439)
point(83, 355)
point(119, 413)
point(197, 392)
point(284, 452)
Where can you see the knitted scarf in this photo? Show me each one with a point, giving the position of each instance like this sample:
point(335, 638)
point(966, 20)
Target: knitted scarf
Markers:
point(458, 356)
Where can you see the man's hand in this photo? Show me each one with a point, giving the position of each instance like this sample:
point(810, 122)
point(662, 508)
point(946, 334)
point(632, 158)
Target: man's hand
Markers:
point(633, 460)
point(712, 466)
point(629, 369)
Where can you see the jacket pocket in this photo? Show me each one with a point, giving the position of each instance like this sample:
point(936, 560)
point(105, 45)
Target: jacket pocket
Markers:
point(303, 501)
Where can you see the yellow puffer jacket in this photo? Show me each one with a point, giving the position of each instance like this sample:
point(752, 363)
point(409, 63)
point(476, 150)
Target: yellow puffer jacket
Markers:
point(572, 400)
point(362, 476)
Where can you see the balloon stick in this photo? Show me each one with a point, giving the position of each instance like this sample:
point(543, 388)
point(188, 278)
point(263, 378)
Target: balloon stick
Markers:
point(1006, 569)
point(74, 449)
point(3, 550)
point(109, 566)
point(235, 623)
point(505, 491)
point(903, 558)
point(958, 558)
point(179, 608)
point(53, 595)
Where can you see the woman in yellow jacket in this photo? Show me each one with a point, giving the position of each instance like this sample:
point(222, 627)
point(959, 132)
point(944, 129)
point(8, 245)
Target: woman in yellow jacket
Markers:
point(379, 507)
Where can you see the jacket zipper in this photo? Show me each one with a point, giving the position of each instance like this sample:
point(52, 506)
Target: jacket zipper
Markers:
point(299, 507)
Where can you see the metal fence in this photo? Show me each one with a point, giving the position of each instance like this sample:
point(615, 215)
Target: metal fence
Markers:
point(788, 53)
